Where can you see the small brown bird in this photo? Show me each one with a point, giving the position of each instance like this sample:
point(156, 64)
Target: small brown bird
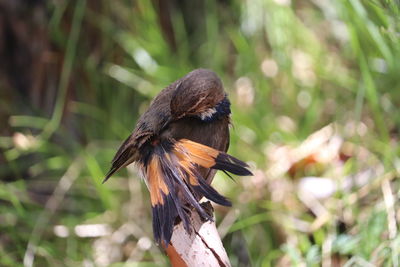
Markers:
point(178, 144)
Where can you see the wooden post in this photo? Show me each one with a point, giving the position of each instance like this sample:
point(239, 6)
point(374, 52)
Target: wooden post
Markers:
point(202, 247)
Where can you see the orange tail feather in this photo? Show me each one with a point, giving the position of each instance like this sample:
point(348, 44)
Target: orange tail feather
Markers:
point(172, 167)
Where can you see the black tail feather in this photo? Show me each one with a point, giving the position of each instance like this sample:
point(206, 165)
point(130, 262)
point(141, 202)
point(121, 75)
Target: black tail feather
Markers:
point(165, 213)
point(169, 214)
point(210, 193)
point(231, 164)
point(171, 171)
point(184, 182)
point(157, 211)
point(227, 174)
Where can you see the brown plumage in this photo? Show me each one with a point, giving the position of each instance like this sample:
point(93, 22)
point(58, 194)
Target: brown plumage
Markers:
point(179, 143)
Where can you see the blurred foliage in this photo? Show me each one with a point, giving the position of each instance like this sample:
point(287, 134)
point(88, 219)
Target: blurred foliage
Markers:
point(315, 88)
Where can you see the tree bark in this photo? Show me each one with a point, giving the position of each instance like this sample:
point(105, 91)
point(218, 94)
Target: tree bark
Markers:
point(202, 247)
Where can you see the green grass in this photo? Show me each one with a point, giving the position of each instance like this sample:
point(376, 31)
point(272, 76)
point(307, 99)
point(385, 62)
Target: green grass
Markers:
point(290, 70)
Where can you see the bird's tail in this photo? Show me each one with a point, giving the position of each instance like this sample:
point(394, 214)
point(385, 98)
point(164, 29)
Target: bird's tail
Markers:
point(172, 170)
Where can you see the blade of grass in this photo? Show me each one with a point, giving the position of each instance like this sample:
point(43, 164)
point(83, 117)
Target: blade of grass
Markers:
point(66, 70)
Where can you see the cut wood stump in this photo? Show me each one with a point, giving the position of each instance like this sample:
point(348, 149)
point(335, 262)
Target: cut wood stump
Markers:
point(202, 247)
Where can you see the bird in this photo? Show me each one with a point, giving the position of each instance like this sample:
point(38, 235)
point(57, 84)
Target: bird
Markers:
point(178, 144)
